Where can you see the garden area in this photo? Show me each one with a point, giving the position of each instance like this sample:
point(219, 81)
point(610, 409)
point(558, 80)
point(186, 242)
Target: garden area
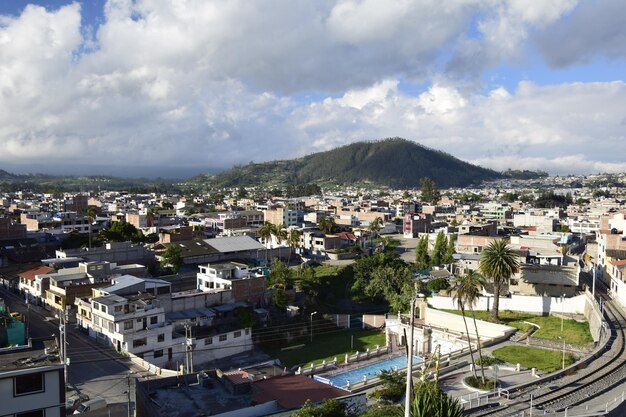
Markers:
point(529, 357)
point(326, 346)
point(574, 332)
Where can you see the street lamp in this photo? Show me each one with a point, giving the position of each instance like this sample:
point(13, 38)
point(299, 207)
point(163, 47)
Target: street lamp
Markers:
point(312, 314)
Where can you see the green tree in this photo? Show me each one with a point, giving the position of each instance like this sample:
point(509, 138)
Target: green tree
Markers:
point(497, 262)
point(393, 387)
point(294, 242)
point(450, 250)
point(280, 298)
point(438, 284)
point(458, 297)
point(429, 401)
point(309, 282)
point(422, 259)
point(376, 225)
point(384, 410)
point(266, 232)
point(439, 250)
point(242, 192)
point(430, 192)
point(280, 233)
point(327, 224)
point(329, 408)
point(172, 257)
point(279, 274)
point(468, 289)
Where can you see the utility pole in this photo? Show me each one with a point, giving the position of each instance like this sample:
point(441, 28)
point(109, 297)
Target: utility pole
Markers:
point(409, 361)
point(128, 392)
point(63, 342)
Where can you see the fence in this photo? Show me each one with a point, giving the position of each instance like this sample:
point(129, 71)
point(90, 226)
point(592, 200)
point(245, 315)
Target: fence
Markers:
point(150, 367)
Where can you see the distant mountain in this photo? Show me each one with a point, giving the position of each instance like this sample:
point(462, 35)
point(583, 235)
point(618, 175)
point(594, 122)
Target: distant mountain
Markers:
point(7, 175)
point(394, 162)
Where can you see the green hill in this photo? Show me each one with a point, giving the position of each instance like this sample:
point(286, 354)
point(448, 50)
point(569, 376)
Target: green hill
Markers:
point(395, 162)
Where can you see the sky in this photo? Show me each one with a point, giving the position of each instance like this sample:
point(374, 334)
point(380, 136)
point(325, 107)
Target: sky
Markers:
point(174, 88)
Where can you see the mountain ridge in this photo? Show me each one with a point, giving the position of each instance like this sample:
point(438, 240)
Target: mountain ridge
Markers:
point(393, 162)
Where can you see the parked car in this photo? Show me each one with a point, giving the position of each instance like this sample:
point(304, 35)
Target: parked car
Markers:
point(74, 401)
point(91, 405)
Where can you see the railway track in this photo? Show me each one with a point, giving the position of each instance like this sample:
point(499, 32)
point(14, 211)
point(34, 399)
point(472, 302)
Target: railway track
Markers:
point(597, 377)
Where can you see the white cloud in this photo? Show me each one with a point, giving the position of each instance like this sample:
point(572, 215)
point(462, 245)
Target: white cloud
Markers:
point(211, 83)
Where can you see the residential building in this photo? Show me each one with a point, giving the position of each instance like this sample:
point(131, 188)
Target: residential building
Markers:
point(32, 383)
point(34, 283)
point(70, 221)
point(246, 285)
point(281, 215)
point(415, 224)
point(118, 252)
point(10, 230)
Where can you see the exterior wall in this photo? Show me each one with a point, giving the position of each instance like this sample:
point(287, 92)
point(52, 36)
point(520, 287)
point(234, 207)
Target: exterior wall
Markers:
point(249, 289)
point(541, 222)
point(373, 321)
point(52, 399)
point(455, 323)
point(530, 304)
point(10, 230)
point(210, 348)
point(198, 300)
point(472, 244)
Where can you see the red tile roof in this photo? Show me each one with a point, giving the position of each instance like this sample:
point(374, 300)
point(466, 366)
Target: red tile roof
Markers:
point(30, 274)
point(291, 391)
point(619, 263)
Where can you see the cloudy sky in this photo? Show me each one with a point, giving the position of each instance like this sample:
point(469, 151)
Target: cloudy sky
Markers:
point(179, 87)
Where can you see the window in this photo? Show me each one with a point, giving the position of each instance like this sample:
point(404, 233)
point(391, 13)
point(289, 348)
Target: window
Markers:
point(138, 320)
point(247, 332)
point(223, 337)
point(158, 353)
point(103, 308)
point(139, 342)
point(34, 413)
point(28, 384)
point(154, 319)
point(128, 325)
point(161, 337)
point(118, 309)
point(96, 305)
point(208, 341)
point(237, 333)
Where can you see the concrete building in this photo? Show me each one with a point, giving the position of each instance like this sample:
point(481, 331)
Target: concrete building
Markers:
point(34, 283)
point(281, 215)
point(245, 284)
point(415, 224)
point(10, 230)
point(32, 384)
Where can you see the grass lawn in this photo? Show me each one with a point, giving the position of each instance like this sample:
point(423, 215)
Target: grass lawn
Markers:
point(530, 357)
point(327, 346)
point(575, 333)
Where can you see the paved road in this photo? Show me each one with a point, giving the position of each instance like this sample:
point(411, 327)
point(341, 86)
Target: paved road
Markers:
point(94, 370)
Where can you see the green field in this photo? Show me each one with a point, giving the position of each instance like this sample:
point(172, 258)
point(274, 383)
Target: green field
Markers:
point(327, 346)
point(529, 357)
point(575, 333)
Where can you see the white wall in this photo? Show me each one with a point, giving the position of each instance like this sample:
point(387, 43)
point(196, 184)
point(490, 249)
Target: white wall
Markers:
point(454, 322)
point(49, 398)
point(526, 303)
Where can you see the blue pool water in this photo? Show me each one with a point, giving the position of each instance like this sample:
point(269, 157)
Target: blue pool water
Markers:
point(356, 375)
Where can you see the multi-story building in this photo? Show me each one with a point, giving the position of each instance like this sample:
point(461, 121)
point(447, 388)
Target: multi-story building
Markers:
point(34, 283)
point(416, 223)
point(10, 230)
point(32, 384)
point(70, 221)
point(281, 215)
point(245, 284)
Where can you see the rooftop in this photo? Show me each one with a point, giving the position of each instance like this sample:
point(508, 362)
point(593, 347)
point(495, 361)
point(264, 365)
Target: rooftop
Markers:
point(14, 359)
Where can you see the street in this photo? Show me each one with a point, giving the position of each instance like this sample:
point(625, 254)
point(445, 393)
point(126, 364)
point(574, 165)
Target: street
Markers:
point(94, 370)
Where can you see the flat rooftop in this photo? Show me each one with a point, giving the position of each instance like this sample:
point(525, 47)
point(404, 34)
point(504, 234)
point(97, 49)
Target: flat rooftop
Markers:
point(13, 359)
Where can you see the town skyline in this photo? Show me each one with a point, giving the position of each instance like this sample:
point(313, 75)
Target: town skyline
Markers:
point(138, 88)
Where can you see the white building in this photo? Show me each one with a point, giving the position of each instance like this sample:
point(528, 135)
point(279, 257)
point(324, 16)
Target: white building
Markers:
point(32, 384)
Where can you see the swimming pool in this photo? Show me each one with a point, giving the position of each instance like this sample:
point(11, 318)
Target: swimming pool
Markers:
point(370, 371)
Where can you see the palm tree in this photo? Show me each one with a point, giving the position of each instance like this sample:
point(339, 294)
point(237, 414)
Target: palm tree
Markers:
point(326, 224)
point(280, 233)
point(460, 302)
point(376, 225)
point(497, 262)
point(294, 241)
point(265, 233)
point(468, 289)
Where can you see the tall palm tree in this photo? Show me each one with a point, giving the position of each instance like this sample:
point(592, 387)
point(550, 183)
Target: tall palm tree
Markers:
point(280, 233)
point(497, 262)
point(294, 241)
point(468, 289)
point(376, 225)
point(326, 224)
point(460, 302)
point(265, 233)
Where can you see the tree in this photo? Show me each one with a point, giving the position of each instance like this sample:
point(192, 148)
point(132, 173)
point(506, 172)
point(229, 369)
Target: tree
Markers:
point(422, 260)
point(329, 408)
point(497, 262)
point(468, 289)
point(294, 241)
point(450, 251)
point(459, 297)
point(280, 233)
point(384, 410)
point(376, 225)
point(279, 274)
point(265, 232)
point(280, 298)
point(327, 224)
point(429, 401)
point(430, 192)
point(393, 387)
point(172, 258)
point(439, 250)
point(438, 284)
